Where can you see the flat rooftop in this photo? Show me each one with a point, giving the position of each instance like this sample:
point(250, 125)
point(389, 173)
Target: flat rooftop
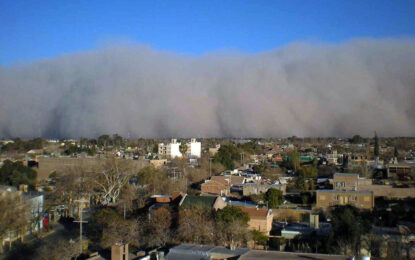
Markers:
point(265, 255)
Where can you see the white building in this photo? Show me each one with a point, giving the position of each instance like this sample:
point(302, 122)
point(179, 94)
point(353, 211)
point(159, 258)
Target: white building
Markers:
point(194, 149)
point(172, 149)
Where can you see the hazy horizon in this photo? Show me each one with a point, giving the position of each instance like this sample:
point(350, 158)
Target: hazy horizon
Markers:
point(303, 89)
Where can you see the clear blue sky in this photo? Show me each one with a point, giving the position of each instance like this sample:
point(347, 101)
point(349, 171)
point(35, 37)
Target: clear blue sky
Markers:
point(31, 30)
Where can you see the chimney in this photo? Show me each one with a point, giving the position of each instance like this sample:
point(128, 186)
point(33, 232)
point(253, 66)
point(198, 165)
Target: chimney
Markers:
point(314, 221)
point(119, 252)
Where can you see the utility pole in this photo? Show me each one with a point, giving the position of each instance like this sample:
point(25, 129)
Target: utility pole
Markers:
point(210, 166)
point(80, 222)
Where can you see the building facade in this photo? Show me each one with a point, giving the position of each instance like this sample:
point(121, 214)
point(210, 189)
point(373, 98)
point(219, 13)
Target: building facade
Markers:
point(172, 149)
point(359, 199)
point(259, 219)
point(345, 181)
point(257, 188)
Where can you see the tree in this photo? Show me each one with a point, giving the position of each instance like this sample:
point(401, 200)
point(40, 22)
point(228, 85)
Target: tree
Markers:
point(260, 168)
point(273, 197)
point(196, 226)
point(233, 225)
point(309, 172)
point(112, 176)
point(349, 226)
point(117, 140)
point(395, 152)
point(104, 140)
point(183, 148)
point(294, 160)
point(155, 228)
point(58, 250)
point(15, 173)
point(356, 139)
point(226, 155)
point(13, 214)
point(259, 237)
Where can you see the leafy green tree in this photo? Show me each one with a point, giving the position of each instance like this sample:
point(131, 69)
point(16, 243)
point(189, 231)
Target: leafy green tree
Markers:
point(233, 224)
point(349, 225)
point(20, 145)
point(104, 140)
point(259, 237)
point(155, 148)
point(260, 168)
point(294, 160)
point(15, 173)
point(230, 214)
point(226, 155)
point(273, 197)
point(356, 139)
point(183, 148)
point(308, 172)
point(117, 140)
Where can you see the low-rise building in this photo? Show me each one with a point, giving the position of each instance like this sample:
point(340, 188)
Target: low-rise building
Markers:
point(400, 170)
point(201, 202)
point(259, 219)
point(215, 187)
point(345, 181)
point(359, 199)
point(257, 188)
point(158, 163)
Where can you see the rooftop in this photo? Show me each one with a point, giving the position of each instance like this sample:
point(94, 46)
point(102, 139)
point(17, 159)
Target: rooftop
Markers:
point(346, 174)
point(191, 201)
point(197, 252)
point(346, 191)
point(256, 213)
point(264, 255)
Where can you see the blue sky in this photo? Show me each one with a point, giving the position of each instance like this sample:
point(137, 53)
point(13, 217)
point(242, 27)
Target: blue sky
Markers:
point(31, 30)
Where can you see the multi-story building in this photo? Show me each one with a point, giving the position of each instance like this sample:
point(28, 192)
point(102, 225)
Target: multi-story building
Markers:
point(172, 149)
point(346, 191)
point(194, 149)
point(345, 181)
point(359, 199)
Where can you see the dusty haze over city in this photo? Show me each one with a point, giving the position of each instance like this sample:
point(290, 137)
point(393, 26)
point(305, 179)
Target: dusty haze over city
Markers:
point(304, 89)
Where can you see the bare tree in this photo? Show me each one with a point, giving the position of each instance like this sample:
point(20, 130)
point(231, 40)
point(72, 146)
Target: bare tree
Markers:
point(13, 215)
point(110, 179)
point(196, 226)
point(58, 250)
point(120, 231)
point(155, 228)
